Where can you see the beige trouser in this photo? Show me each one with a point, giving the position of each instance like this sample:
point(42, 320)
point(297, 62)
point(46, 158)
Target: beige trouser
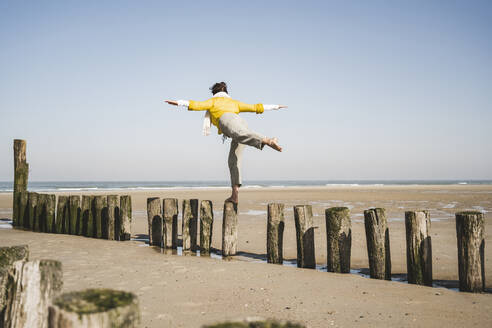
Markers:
point(236, 128)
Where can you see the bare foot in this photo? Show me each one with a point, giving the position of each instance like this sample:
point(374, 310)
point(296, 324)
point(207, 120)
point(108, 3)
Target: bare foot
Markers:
point(231, 199)
point(273, 143)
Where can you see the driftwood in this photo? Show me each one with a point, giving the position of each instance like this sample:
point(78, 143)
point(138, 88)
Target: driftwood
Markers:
point(470, 232)
point(190, 224)
point(206, 226)
point(102, 308)
point(113, 214)
point(30, 289)
point(303, 216)
point(170, 217)
point(419, 247)
point(62, 215)
point(154, 221)
point(338, 239)
point(378, 244)
point(229, 229)
point(9, 255)
point(124, 223)
point(21, 173)
point(275, 233)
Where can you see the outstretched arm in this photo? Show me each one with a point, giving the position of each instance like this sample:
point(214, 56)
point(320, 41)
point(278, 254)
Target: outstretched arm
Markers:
point(270, 107)
point(185, 103)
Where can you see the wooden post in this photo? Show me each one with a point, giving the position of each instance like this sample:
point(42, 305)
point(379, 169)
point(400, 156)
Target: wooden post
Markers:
point(102, 308)
point(206, 226)
point(339, 239)
point(50, 205)
point(99, 210)
point(32, 204)
point(229, 229)
point(275, 233)
point(113, 213)
point(190, 224)
point(125, 218)
point(23, 210)
point(170, 216)
point(40, 222)
point(378, 245)
point(62, 214)
point(303, 216)
point(419, 247)
point(87, 226)
point(470, 232)
point(31, 288)
point(9, 255)
point(21, 173)
point(154, 220)
point(74, 214)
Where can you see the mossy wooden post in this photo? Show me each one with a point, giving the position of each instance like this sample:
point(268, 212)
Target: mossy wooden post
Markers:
point(32, 203)
point(99, 209)
point(125, 218)
point(419, 247)
point(229, 229)
point(21, 173)
point(470, 232)
point(31, 289)
point(275, 233)
point(50, 205)
point(206, 226)
point(170, 216)
point(303, 216)
point(86, 228)
point(23, 199)
point(9, 255)
point(190, 224)
point(378, 245)
point(74, 214)
point(102, 308)
point(39, 222)
point(62, 214)
point(154, 221)
point(338, 239)
point(113, 214)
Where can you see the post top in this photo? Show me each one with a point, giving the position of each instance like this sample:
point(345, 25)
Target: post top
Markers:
point(94, 300)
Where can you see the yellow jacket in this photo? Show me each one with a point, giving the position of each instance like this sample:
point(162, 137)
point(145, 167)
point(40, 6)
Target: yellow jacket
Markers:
point(217, 106)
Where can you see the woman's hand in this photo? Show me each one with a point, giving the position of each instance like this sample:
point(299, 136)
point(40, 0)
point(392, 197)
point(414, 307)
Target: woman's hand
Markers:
point(282, 106)
point(172, 102)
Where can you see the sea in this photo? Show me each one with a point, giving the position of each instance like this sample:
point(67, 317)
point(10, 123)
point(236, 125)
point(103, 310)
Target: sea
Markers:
point(54, 186)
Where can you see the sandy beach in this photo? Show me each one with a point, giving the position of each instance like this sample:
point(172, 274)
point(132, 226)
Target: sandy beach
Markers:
point(189, 291)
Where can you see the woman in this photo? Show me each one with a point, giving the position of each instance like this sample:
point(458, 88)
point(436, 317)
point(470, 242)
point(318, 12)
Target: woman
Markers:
point(222, 111)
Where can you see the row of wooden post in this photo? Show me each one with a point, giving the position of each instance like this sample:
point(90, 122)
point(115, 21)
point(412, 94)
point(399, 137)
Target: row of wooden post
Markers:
point(98, 216)
point(469, 229)
point(162, 216)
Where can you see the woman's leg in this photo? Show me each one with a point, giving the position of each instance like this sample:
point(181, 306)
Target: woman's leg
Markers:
point(234, 161)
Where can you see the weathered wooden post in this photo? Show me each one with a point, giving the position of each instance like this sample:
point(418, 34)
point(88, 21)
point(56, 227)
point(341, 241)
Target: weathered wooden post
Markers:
point(338, 239)
point(40, 221)
point(50, 205)
point(21, 173)
point(378, 244)
point(470, 232)
point(275, 233)
point(419, 247)
point(87, 226)
point(170, 216)
point(113, 214)
point(154, 218)
point(32, 203)
point(229, 229)
point(190, 224)
point(62, 214)
point(31, 287)
point(206, 226)
point(74, 214)
point(125, 218)
point(23, 210)
point(303, 216)
point(102, 308)
point(99, 210)
point(9, 255)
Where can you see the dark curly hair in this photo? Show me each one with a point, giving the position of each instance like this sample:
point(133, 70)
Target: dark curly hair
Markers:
point(218, 87)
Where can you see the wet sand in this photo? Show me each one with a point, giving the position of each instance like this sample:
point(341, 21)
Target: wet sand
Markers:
point(188, 291)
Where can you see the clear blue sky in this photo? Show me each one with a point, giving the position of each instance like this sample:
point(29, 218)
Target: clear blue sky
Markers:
point(376, 89)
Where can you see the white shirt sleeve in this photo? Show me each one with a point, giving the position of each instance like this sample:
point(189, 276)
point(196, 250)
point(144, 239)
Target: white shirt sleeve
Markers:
point(184, 103)
point(270, 107)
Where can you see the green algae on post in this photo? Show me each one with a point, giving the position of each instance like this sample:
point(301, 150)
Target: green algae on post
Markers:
point(256, 324)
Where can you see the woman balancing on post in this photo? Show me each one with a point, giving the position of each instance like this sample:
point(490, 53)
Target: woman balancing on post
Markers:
point(223, 112)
